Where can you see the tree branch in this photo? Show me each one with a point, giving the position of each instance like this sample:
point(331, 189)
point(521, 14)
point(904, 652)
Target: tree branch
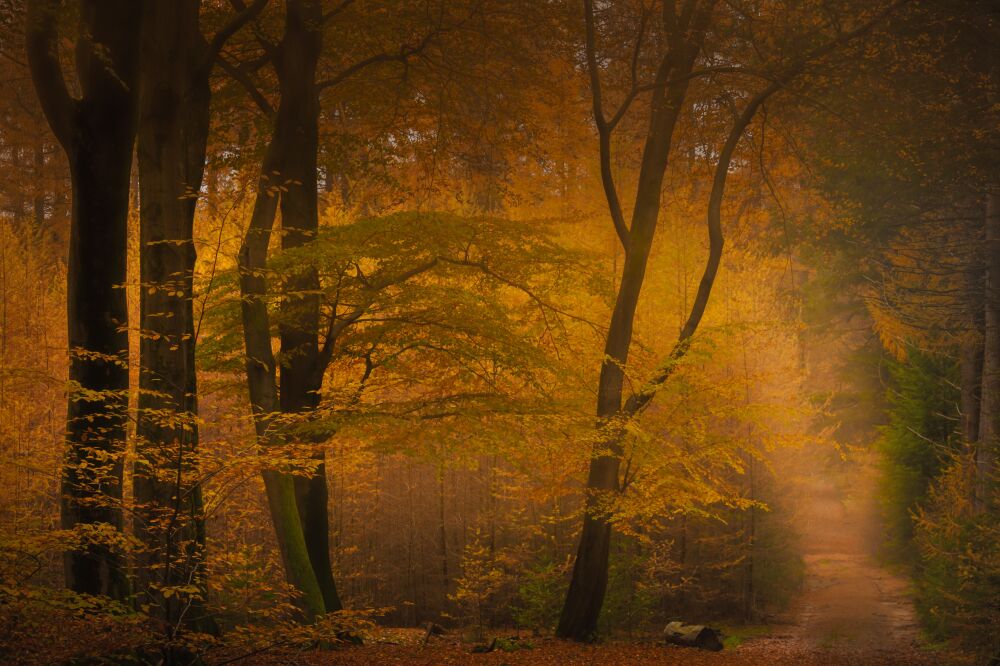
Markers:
point(337, 326)
point(244, 16)
point(603, 128)
point(336, 10)
point(241, 77)
point(41, 45)
point(638, 401)
point(402, 56)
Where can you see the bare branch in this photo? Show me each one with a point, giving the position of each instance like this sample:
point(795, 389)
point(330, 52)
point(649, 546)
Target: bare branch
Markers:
point(401, 56)
point(336, 10)
point(603, 128)
point(244, 80)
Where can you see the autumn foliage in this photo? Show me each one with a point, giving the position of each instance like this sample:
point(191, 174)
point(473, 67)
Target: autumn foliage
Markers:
point(322, 320)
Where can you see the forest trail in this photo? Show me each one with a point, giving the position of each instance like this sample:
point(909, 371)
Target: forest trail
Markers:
point(851, 610)
point(849, 603)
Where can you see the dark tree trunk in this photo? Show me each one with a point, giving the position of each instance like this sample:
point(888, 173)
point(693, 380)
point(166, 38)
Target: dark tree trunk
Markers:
point(261, 369)
point(176, 62)
point(173, 135)
point(97, 132)
point(971, 361)
point(297, 128)
point(299, 506)
point(98, 341)
point(585, 597)
point(989, 426)
point(289, 179)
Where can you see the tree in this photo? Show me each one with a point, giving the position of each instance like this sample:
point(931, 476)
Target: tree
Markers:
point(175, 65)
point(288, 177)
point(288, 184)
point(682, 30)
point(97, 132)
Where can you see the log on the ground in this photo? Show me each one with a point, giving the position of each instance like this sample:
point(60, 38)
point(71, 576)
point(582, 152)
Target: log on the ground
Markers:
point(693, 635)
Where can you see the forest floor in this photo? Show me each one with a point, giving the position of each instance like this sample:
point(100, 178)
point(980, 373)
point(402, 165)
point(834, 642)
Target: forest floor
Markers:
point(851, 611)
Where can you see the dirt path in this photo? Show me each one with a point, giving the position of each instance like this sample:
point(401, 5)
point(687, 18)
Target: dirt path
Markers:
point(852, 611)
point(850, 603)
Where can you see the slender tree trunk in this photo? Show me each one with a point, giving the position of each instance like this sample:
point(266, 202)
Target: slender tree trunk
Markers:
point(685, 32)
point(972, 379)
point(297, 127)
point(97, 132)
point(289, 166)
point(989, 427)
point(38, 201)
point(585, 597)
point(588, 584)
point(971, 361)
point(263, 388)
point(442, 537)
point(749, 590)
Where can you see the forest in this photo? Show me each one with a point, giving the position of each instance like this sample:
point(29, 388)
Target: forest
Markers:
point(499, 332)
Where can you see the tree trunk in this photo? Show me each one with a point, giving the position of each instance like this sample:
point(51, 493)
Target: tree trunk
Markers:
point(97, 132)
point(263, 388)
point(989, 428)
point(585, 597)
point(98, 340)
point(297, 128)
point(971, 361)
point(173, 135)
point(282, 498)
